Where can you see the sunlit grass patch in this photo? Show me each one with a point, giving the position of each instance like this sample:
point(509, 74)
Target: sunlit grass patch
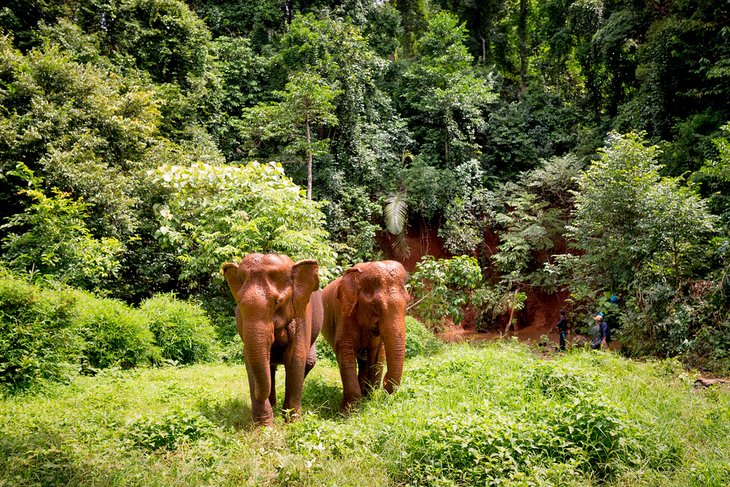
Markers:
point(467, 415)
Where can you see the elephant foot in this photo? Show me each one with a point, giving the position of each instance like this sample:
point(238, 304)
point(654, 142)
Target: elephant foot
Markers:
point(291, 415)
point(349, 403)
point(263, 415)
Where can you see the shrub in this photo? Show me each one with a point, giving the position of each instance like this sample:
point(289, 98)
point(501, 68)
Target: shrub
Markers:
point(441, 288)
point(170, 430)
point(182, 330)
point(419, 340)
point(232, 350)
point(115, 334)
point(51, 237)
point(38, 338)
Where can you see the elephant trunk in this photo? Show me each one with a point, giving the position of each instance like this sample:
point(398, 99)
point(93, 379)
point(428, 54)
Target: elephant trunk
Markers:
point(257, 341)
point(393, 332)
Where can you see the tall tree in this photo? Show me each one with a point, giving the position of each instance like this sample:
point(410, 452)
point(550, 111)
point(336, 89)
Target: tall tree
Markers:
point(442, 94)
point(306, 104)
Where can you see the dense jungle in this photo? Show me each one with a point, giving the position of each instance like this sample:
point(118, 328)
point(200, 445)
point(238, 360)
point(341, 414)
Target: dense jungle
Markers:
point(517, 156)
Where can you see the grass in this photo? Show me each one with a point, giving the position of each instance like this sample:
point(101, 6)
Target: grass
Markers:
point(493, 414)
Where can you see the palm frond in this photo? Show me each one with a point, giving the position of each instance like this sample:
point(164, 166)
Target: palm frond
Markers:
point(400, 246)
point(395, 213)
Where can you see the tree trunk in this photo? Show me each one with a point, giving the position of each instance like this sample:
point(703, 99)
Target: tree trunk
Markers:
point(309, 161)
point(522, 34)
point(484, 48)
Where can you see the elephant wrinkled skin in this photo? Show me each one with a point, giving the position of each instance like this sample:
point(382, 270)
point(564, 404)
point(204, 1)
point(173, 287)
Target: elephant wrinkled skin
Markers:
point(277, 325)
point(364, 322)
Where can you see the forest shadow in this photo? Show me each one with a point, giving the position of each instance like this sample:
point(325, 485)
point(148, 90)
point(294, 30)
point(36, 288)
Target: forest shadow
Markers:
point(322, 398)
point(232, 413)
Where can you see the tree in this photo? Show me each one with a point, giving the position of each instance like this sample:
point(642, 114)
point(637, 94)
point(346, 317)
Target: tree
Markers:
point(51, 239)
point(443, 97)
point(213, 214)
point(631, 223)
point(306, 104)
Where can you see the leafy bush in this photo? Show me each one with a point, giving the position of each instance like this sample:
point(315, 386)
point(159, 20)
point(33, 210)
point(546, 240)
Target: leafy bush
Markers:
point(441, 288)
point(217, 213)
point(182, 330)
point(38, 336)
point(114, 334)
point(53, 239)
point(170, 430)
point(516, 421)
point(419, 340)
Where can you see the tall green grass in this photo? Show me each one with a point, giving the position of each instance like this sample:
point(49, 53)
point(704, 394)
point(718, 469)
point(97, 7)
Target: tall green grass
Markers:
point(467, 415)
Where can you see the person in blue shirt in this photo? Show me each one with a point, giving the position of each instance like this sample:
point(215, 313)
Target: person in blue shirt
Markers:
point(562, 328)
point(603, 337)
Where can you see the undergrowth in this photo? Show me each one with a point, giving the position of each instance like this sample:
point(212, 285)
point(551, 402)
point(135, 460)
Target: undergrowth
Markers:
point(466, 415)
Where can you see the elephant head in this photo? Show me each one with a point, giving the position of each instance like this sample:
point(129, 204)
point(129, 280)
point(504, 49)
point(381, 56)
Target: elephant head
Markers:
point(272, 295)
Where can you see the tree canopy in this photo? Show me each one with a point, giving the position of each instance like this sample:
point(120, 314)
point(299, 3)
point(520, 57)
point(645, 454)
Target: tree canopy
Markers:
point(589, 138)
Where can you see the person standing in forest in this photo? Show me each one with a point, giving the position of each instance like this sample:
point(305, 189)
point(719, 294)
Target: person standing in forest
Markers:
point(562, 328)
point(603, 334)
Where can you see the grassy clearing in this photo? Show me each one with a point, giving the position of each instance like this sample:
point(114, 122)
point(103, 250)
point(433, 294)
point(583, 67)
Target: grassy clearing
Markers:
point(468, 415)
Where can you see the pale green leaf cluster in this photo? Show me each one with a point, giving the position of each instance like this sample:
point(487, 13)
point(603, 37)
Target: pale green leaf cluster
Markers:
point(51, 238)
point(213, 214)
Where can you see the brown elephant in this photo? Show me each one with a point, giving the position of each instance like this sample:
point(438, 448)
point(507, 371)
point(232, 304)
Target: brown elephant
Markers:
point(277, 325)
point(365, 322)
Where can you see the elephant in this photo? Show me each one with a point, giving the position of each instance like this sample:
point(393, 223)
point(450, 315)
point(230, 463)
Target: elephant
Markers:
point(277, 324)
point(364, 322)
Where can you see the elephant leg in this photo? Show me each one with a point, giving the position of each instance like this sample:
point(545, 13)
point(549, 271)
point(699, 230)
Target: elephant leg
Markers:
point(376, 359)
point(351, 391)
point(295, 363)
point(272, 394)
point(362, 374)
point(260, 409)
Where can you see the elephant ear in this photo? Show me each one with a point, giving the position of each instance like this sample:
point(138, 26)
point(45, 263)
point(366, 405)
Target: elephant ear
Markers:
point(348, 290)
point(233, 278)
point(305, 279)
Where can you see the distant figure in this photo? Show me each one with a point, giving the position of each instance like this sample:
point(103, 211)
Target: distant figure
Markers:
point(603, 335)
point(562, 328)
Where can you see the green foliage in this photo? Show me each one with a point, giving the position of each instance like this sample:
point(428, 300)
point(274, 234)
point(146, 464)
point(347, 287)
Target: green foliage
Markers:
point(81, 128)
point(645, 236)
point(520, 134)
point(96, 93)
point(39, 340)
point(182, 330)
point(163, 37)
point(461, 416)
point(631, 222)
point(213, 214)
point(443, 95)
point(351, 218)
point(114, 334)
point(419, 339)
point(714, 177)
point(51, 332)
point(173, 430)
point(54, 241)
point(442, 288)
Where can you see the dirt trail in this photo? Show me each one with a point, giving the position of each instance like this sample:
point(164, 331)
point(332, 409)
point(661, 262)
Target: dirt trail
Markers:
point(532, 334)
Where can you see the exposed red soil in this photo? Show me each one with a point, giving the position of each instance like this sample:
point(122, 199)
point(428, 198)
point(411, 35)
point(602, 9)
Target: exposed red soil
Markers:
point(421, 241)
point(541, 311)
